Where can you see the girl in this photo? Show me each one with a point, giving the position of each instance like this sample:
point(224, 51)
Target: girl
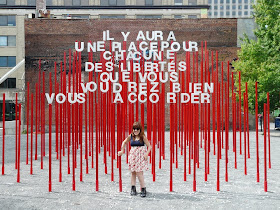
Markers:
point(138, 156)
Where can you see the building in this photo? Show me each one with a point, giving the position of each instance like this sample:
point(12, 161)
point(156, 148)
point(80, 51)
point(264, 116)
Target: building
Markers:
point(14, 12)
point(230, 8)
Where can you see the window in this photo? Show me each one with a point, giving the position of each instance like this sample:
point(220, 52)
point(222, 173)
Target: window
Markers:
point(49, 3)
point(233, 7)
point(192, 2)
point(240, 7)
point(31, 2)
point(177, 16)
point(216, 1)
point(239, 13)
point(215, 7)
point(233, 1)
point(112, 2)
point(112, 16)
point(209, 1)
point(8, 41)
point(227, 13)
point(215, 13)
point(179, 2)
point(148, 16)
point(228, 1)
point(221, 1)
point(221, 7)
point(209, 13)
point(233, 13)
point(245, 6)
point(149, 2)
point(76, 2)
point(76, 16)
point(7, 2)
point(7, 61)
point(221, 13)
point(9, 111)
point(9, 83)
point(246, 1)
point(7, 20)
point(240, 1)
point(246, 13)
point(192, 16)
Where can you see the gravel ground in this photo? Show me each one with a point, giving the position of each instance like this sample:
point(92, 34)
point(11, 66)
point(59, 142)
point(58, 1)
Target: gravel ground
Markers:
point(240, 192)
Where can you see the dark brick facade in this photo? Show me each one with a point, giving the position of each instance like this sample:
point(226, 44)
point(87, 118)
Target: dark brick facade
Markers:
point(47, 39)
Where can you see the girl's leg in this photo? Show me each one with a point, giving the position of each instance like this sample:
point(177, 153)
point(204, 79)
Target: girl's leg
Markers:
point(141, 178)
point(133, 178)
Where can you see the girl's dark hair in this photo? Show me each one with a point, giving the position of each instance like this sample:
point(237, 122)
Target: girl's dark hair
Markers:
point(141, 134)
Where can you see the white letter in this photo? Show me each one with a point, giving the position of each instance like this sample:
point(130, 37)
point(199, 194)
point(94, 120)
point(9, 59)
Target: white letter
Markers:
point(58, 99)
point(49, 99)
point(118, 98)
point(77, 46)
point(171, 36)
point(115, 85)
point(176, 87)
point(171, 96)
point(125, 35)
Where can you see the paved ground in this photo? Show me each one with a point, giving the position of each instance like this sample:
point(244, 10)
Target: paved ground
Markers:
point(241, 192)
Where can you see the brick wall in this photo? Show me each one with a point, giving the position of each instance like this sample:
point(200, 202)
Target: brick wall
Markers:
point(47, 39)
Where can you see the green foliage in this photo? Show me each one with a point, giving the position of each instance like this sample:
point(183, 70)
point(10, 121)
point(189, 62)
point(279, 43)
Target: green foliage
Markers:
point(260, 60)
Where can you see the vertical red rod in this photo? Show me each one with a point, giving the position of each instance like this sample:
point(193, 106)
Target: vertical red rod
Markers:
point(257, 130)
point(239, 111)
point(268, 130)
point(244, 124)
point(234, 130)
point(86, 135)
point(36, 121)
point(16, 140)
point(226, 132)
point(43, 115)
point(3, 133)
point(18, 161)
point(50, 136)
point(41, 102)
point(218, 137)
point(247, 119)
point(27, 122)
point(31, 139)
point(264, 139)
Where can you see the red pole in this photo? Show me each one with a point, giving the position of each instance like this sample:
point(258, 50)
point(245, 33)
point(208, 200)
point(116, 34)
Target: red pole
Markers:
point(31, 131)
point(247, 119)
point(3, 151)
point(50, 137)
point(41, 102)
point(36, 121)
point(244, 124)
point(226, 136)
point(268, 130)
point(18, 174)
point(264, 139)
point(218, 138)
point(257, 130)
point(27, 122)
point(16, 140)
point(239, 111)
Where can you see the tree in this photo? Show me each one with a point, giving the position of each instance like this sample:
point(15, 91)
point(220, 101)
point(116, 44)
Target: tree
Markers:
point(259, 60)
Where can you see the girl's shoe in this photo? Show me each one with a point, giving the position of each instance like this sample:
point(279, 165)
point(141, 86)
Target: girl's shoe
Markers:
point(143, 192)
point(133, 190)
